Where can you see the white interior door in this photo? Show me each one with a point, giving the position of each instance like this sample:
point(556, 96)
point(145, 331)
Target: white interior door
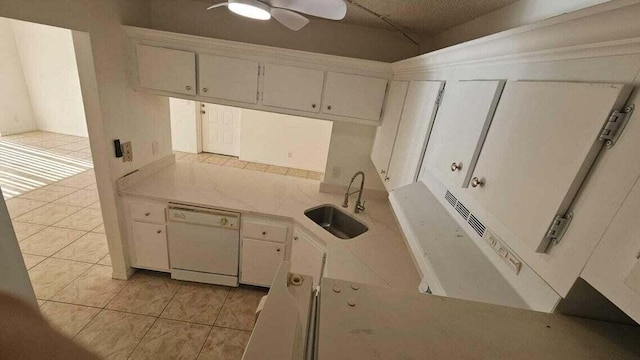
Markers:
point(221, 128)
point(460, 128)
point(413, 132)
point(386, 132)
point(542, 141)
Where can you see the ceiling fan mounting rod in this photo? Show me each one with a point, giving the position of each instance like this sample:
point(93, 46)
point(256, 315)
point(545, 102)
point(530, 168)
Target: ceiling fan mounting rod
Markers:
point(385, 20)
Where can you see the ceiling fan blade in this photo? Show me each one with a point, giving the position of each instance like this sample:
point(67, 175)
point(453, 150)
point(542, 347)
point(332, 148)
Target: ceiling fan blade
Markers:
point(328, 9)
point(217, 5)
point(290, 19)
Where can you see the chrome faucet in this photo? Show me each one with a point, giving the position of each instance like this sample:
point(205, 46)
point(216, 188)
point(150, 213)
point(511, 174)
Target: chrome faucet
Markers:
point(359, 203)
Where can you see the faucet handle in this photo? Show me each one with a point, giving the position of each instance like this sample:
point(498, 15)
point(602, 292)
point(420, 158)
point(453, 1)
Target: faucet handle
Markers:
point(360, 206)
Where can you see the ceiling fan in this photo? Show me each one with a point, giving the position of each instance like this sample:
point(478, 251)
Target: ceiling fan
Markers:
point(287, 11)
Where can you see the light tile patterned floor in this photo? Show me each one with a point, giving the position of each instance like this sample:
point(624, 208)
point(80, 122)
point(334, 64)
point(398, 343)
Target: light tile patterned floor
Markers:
point(60, 232)
point(232, 161)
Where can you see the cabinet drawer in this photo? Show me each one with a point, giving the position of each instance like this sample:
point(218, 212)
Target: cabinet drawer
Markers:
point(264, 231)
point(146, 212)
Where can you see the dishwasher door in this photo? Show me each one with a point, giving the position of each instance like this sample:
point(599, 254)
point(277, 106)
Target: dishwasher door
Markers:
point(204, 241)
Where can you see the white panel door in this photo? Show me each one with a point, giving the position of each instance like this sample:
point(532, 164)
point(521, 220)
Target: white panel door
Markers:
point(221, 127)
point(459, 130)
point(386, 132)
point(306, 257)
point(542, 141)
point(150, 246)
point(260, 261)
point(292, 87)
point(419, 111)
point(354, 96)
point(166, 69)
point(228, 78)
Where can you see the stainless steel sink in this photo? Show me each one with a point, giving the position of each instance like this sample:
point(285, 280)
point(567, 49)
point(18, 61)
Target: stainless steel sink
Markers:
point(336, 222)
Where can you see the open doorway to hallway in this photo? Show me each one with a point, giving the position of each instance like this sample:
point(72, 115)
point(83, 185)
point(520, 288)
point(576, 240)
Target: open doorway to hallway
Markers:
point(250, 139)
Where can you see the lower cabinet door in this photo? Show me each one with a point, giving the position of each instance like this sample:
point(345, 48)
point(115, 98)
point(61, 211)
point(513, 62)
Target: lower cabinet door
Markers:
point(260, 261)
point(306, 257)
point(150, 246)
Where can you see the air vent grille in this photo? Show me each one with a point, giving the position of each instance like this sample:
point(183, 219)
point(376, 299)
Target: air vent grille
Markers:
point(462, 210)
point(451, 199)
point(477, 225)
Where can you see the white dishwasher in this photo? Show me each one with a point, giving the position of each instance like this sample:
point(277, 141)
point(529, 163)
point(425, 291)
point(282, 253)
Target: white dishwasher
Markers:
point(204, 244)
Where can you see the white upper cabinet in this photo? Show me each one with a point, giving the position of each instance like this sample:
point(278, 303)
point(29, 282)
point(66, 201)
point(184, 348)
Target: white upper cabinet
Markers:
point(228, 78)
point(542, 141)
point(292, 87)
point(354, 96)
point(386, 132)
point(166, 69)
point(416, 121)
point(460, 127)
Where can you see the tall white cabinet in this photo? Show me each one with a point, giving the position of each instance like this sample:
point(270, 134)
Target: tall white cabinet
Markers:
point(416, 121)
point(386, 132)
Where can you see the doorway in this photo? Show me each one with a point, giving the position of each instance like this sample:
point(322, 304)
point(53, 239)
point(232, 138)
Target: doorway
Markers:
point(221, 127)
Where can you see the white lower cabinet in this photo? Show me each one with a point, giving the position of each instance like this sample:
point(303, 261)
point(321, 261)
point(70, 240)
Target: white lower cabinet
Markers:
point(307, 258)
point(150, 245)
point(260, 261)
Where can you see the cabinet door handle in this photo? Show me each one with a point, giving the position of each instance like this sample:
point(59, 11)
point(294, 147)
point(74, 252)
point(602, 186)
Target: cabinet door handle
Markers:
point(159, 231)
point(329, 107)
point(295, 238)
point(264, 233)
point(475, 182)
point(313, 106)
point(147, 214)
point(386, 179)
point(278, 250)
point(205, 89)
point(456, 166)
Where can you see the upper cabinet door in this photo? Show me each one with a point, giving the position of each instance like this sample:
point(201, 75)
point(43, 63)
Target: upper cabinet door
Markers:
point(386, 132)
point(228, 78)
point(166, 69)
point(415, 125)
point(292, 87)
point(542, 141)
point(354, 96)
point(461, 125)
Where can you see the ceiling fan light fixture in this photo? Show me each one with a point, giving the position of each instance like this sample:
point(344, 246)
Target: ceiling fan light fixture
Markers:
point(252, 9)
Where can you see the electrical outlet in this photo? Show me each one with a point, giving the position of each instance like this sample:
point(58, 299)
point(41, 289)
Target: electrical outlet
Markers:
point(127, 151)
point(155, 148)
point(335, 172)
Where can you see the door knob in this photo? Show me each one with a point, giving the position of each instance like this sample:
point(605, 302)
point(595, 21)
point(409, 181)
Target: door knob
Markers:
point(475, 182)
point(456, 166)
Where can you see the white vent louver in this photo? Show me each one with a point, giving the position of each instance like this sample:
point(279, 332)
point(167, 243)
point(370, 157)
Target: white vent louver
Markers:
point(450, 198)
point(462, 210)
point(473, 221)
point(477, 225)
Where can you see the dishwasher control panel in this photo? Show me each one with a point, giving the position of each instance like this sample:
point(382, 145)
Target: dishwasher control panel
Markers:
point(204, 216)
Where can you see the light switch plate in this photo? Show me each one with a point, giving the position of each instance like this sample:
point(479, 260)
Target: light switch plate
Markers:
point(127, 151)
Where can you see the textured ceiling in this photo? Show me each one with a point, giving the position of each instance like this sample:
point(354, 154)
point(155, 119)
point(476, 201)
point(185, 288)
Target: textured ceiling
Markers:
point(424, 17)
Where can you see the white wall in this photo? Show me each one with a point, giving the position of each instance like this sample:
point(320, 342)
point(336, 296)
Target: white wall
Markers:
point(284, 140)
point(184, 133)
point(348, 153)
point(511, 16)
point(15, 106)
point(50, 70)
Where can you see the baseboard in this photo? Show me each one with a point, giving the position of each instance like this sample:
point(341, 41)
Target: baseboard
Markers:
point(342, 189)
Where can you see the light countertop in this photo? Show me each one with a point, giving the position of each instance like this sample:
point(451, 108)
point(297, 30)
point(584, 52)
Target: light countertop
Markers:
point(378, 257)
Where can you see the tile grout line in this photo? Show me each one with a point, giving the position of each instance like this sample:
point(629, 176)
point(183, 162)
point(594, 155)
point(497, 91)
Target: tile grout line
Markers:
point(214, 324)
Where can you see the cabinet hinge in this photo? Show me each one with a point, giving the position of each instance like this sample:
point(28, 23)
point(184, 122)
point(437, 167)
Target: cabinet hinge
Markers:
point(615, 125)
point(556, 230)
point(439, 98)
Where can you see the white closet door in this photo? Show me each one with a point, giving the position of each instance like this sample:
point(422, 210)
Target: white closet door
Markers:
point(221, 127)
point(460, 127)
point(542, 141)
point(415, 125)
point(354, 96)
point(386, 132)
point(228, 78)
point(166, 69)
point(292, 87)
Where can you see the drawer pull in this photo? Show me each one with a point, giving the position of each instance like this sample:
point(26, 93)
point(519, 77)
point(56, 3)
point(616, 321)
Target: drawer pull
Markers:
point(278, 250)
point(147, 214)
point(264, 233)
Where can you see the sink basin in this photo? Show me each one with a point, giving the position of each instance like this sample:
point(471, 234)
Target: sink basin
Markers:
point(338, 223)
